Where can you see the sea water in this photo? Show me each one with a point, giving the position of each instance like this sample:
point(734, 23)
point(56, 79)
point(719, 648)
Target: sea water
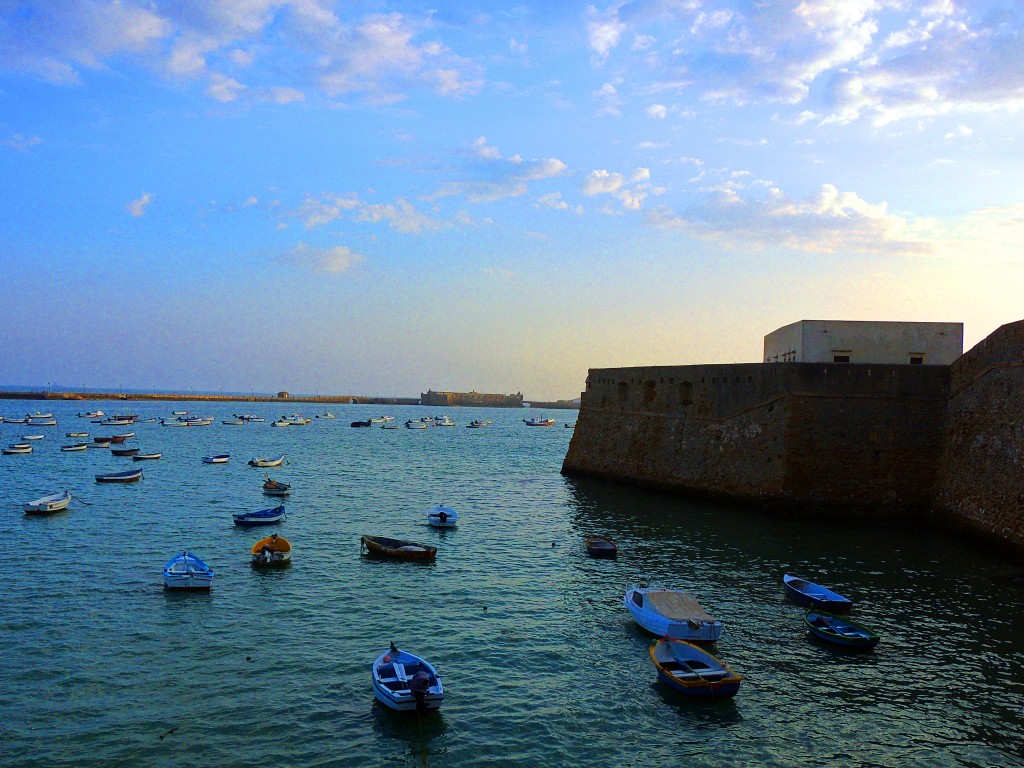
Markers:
point(541, 662)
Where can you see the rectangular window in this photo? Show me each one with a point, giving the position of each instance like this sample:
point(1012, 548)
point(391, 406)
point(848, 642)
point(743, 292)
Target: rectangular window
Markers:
point(840, 358)
point(917, 359)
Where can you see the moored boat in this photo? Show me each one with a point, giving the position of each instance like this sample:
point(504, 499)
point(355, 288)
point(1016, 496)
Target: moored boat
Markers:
point(671, 613)
point(91, 415)
point(325, 415)
point(415, 424)
point(233, 422)
point(366, 423)
point(74, 447)
point(120, 477)
point(271, 461)
point(693, 672)
point(219, 458)
point(599, 546)
point(32, 437)
point(262, 517)
point(406, 682)
point(539, 422)
point(186, 571)
point(273, 550)
point(839, 631)
point(121, 450)
point(382, 546)
point(52, 503)
point(808, 593)
point(444, 421)
point(41, 422)
point(76, 434)
point(15, 448)
point(147, 456)
point(275, 487)
point(441, 516)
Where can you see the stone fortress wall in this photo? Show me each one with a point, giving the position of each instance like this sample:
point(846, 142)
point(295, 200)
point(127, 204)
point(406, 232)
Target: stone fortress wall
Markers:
point(877, 441)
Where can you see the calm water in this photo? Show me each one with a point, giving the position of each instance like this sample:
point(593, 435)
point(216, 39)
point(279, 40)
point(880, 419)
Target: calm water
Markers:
point(541, 662)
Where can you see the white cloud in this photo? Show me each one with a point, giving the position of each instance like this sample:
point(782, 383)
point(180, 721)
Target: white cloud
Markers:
point(223, 88)
point(657, 111)
point(602, 182)
point(137, 207)
point(603, 33)
point(330, 261)
point(960, 131)
point(608, 99)
point(21, 142)
point(554, 201)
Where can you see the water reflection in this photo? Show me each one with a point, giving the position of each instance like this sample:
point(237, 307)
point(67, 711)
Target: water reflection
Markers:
point(423, 734)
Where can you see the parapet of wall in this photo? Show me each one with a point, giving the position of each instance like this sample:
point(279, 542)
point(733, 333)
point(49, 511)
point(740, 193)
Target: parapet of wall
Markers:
point(866, 437)
point(980, 481)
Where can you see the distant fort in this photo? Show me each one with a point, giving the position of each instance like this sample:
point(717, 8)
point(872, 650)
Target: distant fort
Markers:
point(446, 399)
point(918, 438)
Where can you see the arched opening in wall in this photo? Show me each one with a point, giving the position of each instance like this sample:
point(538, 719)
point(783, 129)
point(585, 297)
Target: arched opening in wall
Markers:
point(623, 390)
point(650, 392)
point(686, 393)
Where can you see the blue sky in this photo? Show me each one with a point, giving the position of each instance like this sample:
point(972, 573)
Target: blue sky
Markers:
point(378, 198)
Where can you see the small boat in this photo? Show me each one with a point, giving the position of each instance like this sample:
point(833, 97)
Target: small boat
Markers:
point(273, 550)
point(132, 476)
point(808, 593)
point(52, 503)
point(539, 422)
point(39, 415)
point(275, 488)
point(262, 517)
point(598, 546)
point(415, 424)
point(220, 458)
point(390, 425)
point(173, 413)
point(91, 415)
point(406, 682)
point(273, 461)
point(325, 415)
point(281, 423)
point(42, 422)
point(567, 425)
point(74, 447)
point(297, 419)
point(444, 422)
point(838, 631)
point(233, 422)
point(106, 440)
point(17, 448)
point(76, 434)
point(378, 419)
point(366, 423)
point(692, 671)
point(123, 451)
point(478, 423)
point(671, 613)
point(173, 423)
point(146, 456)
point(32, 437)
point(121, 437)
point(442, 517)
point(9, 420)
point(186, 571)
point(396, 548)
point(116, 422)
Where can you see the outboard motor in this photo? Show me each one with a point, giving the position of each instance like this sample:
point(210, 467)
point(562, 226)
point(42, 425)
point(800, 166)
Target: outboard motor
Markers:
point(419, 685)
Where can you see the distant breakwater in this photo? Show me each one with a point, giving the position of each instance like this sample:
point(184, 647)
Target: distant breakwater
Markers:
point(236, 398)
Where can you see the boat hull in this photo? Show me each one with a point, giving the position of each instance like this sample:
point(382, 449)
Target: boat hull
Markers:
point(48, 504)
point(263, 517)
point(397, 549)
point(835, 630)
point(120, 477)
point(693, 672)
point(187, 572)
point(813, 595)
point(598, 546)
point(704, 630)
point(392, 674)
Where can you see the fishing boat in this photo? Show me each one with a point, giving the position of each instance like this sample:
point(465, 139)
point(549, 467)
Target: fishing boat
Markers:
point(41, 422)
point(539, 422)
point(173, 423)
point(262, 517)
point(33, 437)
point(282, 422)
point(146, 456)
point(273, 461)
point(115, 422)
point(397, 549)
point(186, 571)
point(693, 672)
point(298, 420)
point(325, 415)
point(233, 422)
point(132, 476)
point(406, 682)
point(478, 423)
point(366, 423)
point(121, 450)
point(15, 420)
point(219, 458)
point(839, 631)
point(390, 425)
point(598, 546)
point(273, 550)
point(14, 448)
point(74, 447)
point(444, 421)
point(91, 415)
point(76, 434)
point(173, 413)
point(808, 593)
point(275, 488)
point(377, 419)
point(442, 517)
point(415, 424)
point(106, 440)
point(39, 415)
point(120, 437)
point(671, 613)
point(52, 503)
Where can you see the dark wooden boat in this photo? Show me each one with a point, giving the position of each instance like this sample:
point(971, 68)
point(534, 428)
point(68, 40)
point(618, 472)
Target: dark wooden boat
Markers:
point(146, 456)
point(123, 451)
point(397, 548)
point(598, 546)
point(366, 423)
point(120, 477)
point(262, 517)
point(838, 631)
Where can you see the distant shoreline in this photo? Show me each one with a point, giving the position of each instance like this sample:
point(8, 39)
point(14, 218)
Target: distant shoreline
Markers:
point(165, 397)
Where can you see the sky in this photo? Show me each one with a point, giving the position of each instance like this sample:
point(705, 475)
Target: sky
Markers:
point(378, 198)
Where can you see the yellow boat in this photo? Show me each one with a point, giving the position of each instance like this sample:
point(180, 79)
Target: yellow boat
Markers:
point(273, 550)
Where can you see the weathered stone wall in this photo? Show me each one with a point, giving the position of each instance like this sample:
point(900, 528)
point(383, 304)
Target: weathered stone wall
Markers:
point(980, 482)
point(788, 435)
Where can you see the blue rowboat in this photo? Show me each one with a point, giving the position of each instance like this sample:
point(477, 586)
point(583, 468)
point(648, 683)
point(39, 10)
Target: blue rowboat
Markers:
point(671, 613)
point(693, 672)
point(406, 682)
point(838, 631)
point(263, 517)
point(808, 593)
point(186, 571)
